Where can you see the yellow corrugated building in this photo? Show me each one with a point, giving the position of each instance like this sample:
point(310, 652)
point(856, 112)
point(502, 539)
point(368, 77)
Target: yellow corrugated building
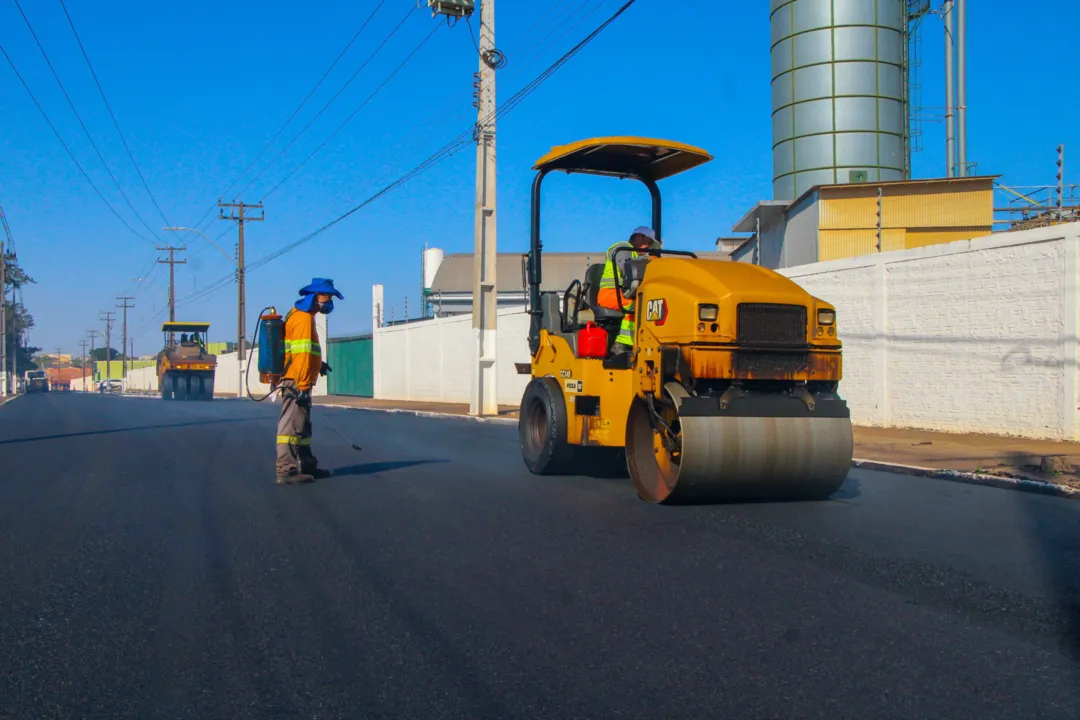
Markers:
point(831, 222)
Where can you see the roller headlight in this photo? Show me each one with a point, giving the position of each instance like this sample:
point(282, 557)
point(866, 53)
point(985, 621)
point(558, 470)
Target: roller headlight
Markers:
point(708, 313)
point(826, 317)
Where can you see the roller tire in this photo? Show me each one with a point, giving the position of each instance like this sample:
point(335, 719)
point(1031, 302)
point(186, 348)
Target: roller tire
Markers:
point(542, 425)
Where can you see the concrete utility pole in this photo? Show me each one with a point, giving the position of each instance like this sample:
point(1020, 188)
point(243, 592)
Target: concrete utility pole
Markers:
point(485, 385)
point(241, 327)
point(84, 343)
point(172, 262)
point(123, 347)
point(93, 373)
point(108, 344)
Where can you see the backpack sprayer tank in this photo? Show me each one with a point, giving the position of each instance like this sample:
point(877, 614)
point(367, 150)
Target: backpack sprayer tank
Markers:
point(271, 347)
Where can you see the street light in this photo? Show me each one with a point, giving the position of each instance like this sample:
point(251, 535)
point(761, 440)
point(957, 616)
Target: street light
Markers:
point(239, 326)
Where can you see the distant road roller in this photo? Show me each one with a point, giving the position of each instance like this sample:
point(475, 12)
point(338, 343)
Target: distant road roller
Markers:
point(730, 389)
point(185, 368)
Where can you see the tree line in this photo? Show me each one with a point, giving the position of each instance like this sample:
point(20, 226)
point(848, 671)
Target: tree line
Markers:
point(19, 319)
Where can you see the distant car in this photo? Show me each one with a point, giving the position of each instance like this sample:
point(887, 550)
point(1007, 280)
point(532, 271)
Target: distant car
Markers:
point(35, 381)
point(110, 386)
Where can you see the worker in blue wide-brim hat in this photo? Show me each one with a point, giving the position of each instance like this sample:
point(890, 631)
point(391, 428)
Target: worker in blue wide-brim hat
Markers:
point(303, 366)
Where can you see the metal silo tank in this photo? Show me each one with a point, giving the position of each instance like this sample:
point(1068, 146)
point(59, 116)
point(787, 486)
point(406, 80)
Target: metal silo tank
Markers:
point(837, 92)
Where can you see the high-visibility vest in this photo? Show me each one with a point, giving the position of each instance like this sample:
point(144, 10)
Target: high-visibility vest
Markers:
point(303, 354)
point(607, 280)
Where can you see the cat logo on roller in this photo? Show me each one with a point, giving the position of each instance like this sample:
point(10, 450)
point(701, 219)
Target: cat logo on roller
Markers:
point(656, 311)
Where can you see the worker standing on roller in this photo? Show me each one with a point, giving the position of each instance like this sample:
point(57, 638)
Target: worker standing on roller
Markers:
point(641, 240)
point(303, 366)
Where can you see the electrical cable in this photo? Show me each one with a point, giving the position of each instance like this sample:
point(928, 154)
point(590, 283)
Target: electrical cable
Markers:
point(329, 102)
point(306, 98)
point(68, 149)
point(354, 113)
point(78, 117)
point(446, 151)
point(116, 124)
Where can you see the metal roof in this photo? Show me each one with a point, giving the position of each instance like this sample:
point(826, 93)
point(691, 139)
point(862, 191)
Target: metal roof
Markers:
point(623, 156)
point(765, 210)
point(455, 274)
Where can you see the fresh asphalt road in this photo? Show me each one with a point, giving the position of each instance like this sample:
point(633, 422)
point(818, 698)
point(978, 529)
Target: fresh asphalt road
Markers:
point(149, 567)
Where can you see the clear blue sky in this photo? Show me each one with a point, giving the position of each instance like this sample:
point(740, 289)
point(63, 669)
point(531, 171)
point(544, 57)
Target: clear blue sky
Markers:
point(199, 89)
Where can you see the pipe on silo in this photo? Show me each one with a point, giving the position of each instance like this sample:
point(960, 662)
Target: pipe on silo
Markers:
point(961, 87)
point(950, 92)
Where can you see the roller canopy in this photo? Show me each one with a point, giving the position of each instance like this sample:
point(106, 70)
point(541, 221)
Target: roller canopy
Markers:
point(645, 158)
point(184, 327)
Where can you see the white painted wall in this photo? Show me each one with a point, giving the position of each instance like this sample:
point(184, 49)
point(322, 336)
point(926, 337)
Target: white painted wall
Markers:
point(430, 361)
point(226, 378)
point(973, 336)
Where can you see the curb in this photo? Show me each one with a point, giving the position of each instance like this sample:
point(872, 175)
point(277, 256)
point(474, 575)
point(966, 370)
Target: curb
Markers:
point(423, 413)
point(1030, 485)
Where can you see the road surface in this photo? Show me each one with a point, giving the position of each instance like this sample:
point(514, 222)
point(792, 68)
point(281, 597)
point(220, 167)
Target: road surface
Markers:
point(149, 567)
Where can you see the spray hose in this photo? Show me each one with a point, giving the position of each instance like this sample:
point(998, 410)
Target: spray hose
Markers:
point(247, 370)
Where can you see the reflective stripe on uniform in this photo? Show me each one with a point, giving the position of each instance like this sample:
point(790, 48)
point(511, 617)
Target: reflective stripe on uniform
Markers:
point(293, 440)
point(294, 347)
point(626, 331)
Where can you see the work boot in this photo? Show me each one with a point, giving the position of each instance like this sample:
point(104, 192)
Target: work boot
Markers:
point(294, 477)
point(318, 473)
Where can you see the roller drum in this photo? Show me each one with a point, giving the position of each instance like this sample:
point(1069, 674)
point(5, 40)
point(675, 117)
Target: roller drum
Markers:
point(736, 457)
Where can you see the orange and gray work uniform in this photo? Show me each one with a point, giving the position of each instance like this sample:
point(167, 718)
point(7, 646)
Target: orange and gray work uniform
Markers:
point(303, 362)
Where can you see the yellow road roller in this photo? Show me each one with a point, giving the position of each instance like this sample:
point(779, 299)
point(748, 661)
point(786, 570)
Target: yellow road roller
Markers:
point(730, 389)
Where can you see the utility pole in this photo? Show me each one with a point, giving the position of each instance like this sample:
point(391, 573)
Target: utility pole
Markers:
point(84, 343)
point(238, 215)
point(172, 262)
point(123, 347)
point(93, 363)
point(484, 399)
point(108, 344)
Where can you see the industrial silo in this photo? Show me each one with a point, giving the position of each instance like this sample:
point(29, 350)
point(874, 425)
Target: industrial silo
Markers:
point(430, 261)
point(837, 92)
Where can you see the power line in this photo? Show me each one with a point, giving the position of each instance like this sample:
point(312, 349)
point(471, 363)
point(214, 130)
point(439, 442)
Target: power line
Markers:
point(111, 114)
point(68, 150)
point(354, 113)
point(455, 145)
point(462, 140)
point(306, 98)
point(79, 118)
point(329, 102)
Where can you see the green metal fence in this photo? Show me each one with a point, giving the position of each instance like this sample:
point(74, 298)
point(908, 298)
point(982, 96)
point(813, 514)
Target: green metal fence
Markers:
point(353, 363)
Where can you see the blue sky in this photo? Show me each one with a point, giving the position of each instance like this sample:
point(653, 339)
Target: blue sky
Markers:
point(199, 88)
